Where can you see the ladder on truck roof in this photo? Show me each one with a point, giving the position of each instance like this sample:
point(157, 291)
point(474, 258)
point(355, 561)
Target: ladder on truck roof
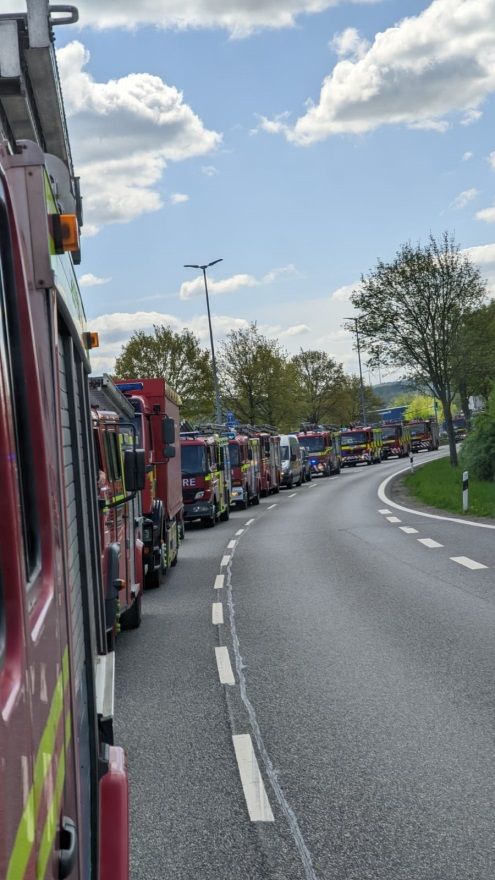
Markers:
point(31, 103)
point(104, 395)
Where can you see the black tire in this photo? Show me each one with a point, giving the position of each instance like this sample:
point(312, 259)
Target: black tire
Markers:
point(211, 521)
point(225, 515)
point(176, 559)
point(131, 619)
point(152, 580)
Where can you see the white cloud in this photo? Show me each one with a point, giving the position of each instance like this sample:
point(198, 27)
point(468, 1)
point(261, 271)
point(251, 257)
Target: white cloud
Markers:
point(240, 17)
point(209, 170)
point(90, 280)
point(349, 44)
point(416, 73)
point(296, 330)
point(486, 214)
point(344, 293)
point(178, 198)
point(464, 198)
point(484, 256)
point(196, 287)
point(491, 159)
point(471, 116)
point(124, 132)
point(467, 156)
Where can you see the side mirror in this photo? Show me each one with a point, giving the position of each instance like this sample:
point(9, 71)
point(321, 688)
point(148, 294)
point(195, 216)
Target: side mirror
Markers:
point(169, 451)
point(168, 431)
point(293, 457)
point(134, 469)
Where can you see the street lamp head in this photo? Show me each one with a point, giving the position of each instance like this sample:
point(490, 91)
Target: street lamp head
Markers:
point(192, 266)
point(214, 263)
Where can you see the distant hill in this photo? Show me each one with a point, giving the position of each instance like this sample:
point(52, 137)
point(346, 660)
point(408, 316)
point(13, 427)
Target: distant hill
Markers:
point(388, 391)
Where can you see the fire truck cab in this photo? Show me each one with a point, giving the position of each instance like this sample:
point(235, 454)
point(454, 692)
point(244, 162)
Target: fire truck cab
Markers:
point(245, 458)
point(323, 446)
point(396, 438)
point(206, 476)
point(424, 434)
point(64, 810)
point(361, 446)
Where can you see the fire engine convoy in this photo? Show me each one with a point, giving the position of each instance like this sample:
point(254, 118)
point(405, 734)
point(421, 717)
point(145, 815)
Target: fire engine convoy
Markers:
point(361, 445)
point(323, 445)
point(63, 783)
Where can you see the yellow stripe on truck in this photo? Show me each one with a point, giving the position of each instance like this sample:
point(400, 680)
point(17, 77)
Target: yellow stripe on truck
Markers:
point(24, 840)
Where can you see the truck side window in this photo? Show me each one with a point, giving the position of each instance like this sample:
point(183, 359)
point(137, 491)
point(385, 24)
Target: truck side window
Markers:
point(23, 431)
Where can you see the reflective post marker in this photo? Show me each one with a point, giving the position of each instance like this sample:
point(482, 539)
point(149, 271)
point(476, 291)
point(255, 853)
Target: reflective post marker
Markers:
point(465, 491)
point(411, 461)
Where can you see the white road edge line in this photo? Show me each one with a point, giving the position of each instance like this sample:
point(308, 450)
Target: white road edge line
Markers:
point(386, 500)
point(224, 666)
point(429, 542)
point(394, 519)
point(219, 581)
point(257, 802)
point(250, 521)
point(231, 545)
point(271, 506)
point(216, 613)
point(408, 530)
point(239, 532)
point(467, 562)
point(225, 561)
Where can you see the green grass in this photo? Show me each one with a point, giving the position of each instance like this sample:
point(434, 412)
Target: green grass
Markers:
point(440, 485)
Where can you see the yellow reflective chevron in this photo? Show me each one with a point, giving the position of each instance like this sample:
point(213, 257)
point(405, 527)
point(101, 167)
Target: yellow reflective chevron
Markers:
point(24, 840)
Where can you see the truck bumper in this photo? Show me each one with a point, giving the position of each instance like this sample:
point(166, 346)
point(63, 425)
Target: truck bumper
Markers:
point(198, 510)
point(237, 495)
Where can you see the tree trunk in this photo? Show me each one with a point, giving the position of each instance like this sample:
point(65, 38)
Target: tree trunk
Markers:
point(447, 414)
point(463, 394)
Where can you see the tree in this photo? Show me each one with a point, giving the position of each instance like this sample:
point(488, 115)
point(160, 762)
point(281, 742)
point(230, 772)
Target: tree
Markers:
point(347, 409)
point(412, 314)
point(477, 365)
point(258, 383)
point(177, 357)
point(320, 380)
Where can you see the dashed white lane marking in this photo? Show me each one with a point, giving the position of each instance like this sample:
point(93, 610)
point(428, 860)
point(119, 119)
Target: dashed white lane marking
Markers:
point(253, 786)
point(231, 545)
point(224, 666)
point(394, 519)
point(271, 506)
point(384, 510)
point(293, 495)
point(239, 532)
point(429, 542)
point(217, 613)
point(408, 530)
point(225, 561)
point(219, 581)
point(467, 562)
point(250, 521)
point(312, 485)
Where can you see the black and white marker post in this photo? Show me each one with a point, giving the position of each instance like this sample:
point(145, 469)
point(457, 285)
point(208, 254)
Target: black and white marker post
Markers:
point(465, 491)
point(411, 462)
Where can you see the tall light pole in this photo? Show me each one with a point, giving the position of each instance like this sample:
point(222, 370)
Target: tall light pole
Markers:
point(356, 330)
point(218, 405)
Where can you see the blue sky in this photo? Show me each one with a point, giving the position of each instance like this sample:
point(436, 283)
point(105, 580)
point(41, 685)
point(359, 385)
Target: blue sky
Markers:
point(201, 130)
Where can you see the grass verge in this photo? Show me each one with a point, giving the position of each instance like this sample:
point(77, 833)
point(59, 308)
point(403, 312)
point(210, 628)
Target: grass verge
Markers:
point(440, 485)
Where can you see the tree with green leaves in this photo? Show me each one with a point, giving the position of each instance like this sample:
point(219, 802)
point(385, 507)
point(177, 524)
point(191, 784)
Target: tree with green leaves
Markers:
point(178, 358)
point(477, 365)
point(257, 382)
point(320, 379)
point(413, 312)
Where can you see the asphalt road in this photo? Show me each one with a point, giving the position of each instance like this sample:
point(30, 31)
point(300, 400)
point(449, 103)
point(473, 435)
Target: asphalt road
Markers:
point(363, 698)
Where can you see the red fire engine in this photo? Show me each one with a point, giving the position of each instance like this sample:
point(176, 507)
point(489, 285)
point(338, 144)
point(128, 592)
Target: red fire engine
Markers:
point(120, 508)
point(245, 458)
point(323, 446)
point(64, 787)
point(396, 439)
point(156, 416)
point(424, 434)
point(206, 475)
point(270, 464)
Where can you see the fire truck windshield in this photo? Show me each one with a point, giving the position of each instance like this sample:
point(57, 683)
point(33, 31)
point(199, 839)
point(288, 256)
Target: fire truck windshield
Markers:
point(313, 444)
point(234, 454)
point(418, 428)
point(193, 460)
point(355, 438)
point(389, 433)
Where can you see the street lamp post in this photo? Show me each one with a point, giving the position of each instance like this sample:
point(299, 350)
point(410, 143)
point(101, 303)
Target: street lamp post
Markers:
point(218, 405)
point(356, 330)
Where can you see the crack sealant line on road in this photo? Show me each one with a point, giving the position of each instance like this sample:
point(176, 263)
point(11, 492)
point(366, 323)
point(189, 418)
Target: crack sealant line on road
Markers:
point(287, 810)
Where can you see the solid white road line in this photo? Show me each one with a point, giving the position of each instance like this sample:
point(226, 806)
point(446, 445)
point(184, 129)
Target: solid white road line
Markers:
point(408, 530)
point(384, 510)
point(429, 542)
point(231, 545)
point(384, 498)
point(252, 783)
point(217, 612)
point(271, 506)
point(393, 519)
point(225, 561)
point(293, 495)
point(224, 666)
point(219, 581)
point(240, 532)
point(467, 562)
point(250, 521)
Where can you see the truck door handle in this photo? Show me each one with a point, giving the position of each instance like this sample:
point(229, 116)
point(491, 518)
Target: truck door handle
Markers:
point(68, 848)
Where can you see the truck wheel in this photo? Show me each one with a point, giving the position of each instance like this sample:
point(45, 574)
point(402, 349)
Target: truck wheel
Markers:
point(131, 619)
point(211, 521)
point(225, 516)
point(152, 580)
point(176, 559)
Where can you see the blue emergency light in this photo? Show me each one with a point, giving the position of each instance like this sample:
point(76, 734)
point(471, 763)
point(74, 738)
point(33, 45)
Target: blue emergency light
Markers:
point(129, 386)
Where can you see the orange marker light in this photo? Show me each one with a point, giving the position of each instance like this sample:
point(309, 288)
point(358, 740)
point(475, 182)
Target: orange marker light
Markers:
point(92, 339)
point(65, 232)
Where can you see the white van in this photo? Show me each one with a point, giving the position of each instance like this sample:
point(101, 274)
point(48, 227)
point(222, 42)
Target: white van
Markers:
point(291, 455)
